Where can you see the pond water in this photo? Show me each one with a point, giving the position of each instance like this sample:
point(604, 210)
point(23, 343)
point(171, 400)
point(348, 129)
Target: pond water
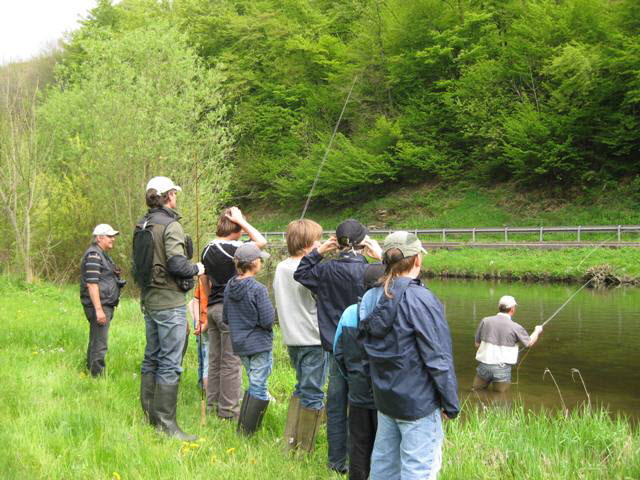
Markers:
point(597, 333)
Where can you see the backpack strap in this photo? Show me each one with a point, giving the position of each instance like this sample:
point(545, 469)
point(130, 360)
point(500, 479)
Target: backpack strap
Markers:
point(217, 244)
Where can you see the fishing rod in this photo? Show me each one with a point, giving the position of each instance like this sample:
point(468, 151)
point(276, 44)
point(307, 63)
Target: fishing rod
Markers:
point(201, 360)
point(326, 153)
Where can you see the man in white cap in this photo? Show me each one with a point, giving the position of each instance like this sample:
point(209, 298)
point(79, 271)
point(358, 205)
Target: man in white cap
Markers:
point(169, 276)
point(497, 341)
point(100, 286)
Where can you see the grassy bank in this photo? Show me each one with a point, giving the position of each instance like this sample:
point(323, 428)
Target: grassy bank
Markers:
point(462, 205)
point(568, 265)
point(59, 423)
point(434, 205)
point(573, 265)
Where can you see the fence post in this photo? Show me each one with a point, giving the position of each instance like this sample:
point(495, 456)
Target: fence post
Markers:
point(579, 228)
point(444, 236)
point(619, 233)
point(473, 235)
point(541, 239)
point(506, 236)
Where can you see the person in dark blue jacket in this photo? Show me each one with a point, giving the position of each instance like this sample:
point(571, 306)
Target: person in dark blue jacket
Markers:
point(337, 283)
point(408, 344)
point(354, 366)
point(250, 315)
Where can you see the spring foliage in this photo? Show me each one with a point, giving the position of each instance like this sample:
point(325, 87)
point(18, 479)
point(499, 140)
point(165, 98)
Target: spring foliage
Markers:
point(537, 92)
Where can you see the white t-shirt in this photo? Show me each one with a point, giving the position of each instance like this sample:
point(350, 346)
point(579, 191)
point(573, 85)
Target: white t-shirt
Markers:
point(296, 307)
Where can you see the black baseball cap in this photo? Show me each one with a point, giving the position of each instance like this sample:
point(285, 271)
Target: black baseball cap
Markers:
point(350, 233)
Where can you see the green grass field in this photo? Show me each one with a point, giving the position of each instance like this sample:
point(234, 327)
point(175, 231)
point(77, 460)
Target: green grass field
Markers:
point(462, 205)
point(58, 423)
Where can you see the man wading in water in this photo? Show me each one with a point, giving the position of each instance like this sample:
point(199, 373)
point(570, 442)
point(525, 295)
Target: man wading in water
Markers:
point(497, 341)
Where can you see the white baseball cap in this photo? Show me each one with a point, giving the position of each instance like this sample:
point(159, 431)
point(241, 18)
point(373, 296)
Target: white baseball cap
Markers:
point(162, 185)
point(105, 229)
point(507, 301)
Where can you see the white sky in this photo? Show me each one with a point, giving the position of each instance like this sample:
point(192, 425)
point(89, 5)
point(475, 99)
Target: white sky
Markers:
point(28, 26)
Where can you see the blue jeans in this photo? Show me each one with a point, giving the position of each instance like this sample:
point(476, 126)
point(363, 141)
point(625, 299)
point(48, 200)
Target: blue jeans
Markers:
point(407, 449)
point(203, 356)
point(166, 332)
point(258, 368)
point(310, 363)
point(337, 401)
point(494, 373)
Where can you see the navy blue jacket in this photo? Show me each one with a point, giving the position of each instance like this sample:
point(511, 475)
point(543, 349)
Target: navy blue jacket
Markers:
point(352, 358)
point(337, 284)
point(408, 343)
point(250, 314)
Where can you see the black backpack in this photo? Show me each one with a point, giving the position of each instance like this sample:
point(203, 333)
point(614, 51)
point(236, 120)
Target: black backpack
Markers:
point(143, 246)
point(142, 254)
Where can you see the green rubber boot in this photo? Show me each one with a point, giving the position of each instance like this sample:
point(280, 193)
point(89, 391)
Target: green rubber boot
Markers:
point(164, 407)
point(291, 427)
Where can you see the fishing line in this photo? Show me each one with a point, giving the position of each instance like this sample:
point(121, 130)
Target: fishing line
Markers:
point(326, 153)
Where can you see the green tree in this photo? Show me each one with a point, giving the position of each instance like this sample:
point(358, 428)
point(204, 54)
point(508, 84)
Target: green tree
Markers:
point(142, 104)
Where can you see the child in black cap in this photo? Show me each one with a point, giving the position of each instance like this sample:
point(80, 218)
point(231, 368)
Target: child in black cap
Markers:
point(337, 283)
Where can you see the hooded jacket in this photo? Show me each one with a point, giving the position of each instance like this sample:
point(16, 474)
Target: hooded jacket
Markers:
point(336, 283)
point(250, 315)
point(408, 345)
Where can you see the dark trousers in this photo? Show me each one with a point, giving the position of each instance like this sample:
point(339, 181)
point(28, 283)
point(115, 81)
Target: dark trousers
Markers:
point(98, 340)
point(337, 402)
point(363, 423)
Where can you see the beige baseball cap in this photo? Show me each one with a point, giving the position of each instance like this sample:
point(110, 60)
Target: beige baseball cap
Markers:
point(408, 243)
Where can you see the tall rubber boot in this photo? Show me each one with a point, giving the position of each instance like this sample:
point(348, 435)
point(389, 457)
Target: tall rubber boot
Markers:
point(147, 391)
point(164, 406)
point(291, 427)
point(251, 414)
point(309, 422)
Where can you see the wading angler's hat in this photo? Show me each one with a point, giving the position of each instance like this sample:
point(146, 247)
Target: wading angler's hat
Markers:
point(248, 252)
point(351, 232)
point(162, 185)
point(507, 301)
point(408, 243)
point(105, 229)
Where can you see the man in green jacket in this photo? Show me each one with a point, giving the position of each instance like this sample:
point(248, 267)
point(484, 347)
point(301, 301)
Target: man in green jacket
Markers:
point(164, 307)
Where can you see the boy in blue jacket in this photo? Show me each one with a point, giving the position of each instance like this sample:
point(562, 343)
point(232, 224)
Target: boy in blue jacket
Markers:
point(354, 366)
point(408, 344)
point(250, 315)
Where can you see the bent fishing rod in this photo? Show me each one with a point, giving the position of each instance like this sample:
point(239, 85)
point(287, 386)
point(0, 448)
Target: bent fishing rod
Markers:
point(326, 153)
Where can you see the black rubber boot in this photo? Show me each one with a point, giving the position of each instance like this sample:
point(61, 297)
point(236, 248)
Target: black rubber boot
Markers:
point(147, 390)
point(251, 414)
point(164, 407)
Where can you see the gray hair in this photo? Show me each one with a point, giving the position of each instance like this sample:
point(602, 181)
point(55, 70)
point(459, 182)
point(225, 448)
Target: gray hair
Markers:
point(94, 240)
